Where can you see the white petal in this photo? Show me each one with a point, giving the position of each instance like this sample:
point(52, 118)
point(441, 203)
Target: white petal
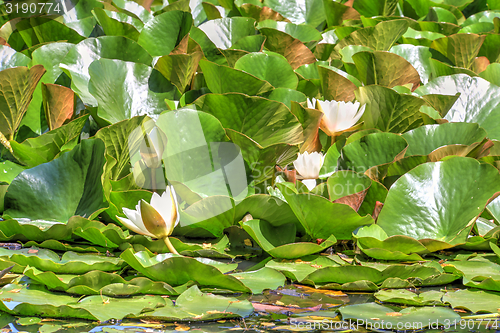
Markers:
point(136, 219)
point(162, 205)
point(129, 224)
point(309, 165)
point(311, 104)
point(174, 195)
point(309, 183)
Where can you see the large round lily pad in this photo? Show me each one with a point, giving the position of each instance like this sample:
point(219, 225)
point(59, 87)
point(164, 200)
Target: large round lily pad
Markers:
point(438, 200)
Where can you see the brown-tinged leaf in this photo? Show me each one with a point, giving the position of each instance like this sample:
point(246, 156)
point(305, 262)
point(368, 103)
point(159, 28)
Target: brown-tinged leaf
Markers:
point(479, 65)
point(295, 52)
point(336, 13)
point(288, 175)
point(182, 47)
point(386, 69)
point(15, 290)
point(32, 251)
point(354, 200)
point(260, 13)
point(334, 86)
point(461, 49)
point(377, 209)
point(247, 242)
point(3, 42)
point(58, 104)
point(310, 120)
point(179, 68)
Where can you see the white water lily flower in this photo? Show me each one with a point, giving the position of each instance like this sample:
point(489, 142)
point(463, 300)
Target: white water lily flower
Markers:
point(337, 116)
point(157, 219)
point(308, 166)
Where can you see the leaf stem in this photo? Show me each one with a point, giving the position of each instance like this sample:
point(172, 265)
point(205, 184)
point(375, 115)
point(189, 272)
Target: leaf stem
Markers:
point(170, 246)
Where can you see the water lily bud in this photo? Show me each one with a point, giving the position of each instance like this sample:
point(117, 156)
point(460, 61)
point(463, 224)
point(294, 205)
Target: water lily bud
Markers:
point(152, 147)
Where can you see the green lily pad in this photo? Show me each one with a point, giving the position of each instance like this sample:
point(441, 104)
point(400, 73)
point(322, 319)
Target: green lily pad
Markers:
point(322, 218)
point(380, 37)
point(221, 79)
point(473, 300)
point(476, 273)
point(76, 63)
point(117, 86)
point(492, 73)
point(264, 278)
point(264, 121)
point(410, 206)
point(270, 67)
point(195, 305)
point(286, 96)
point(477, 103)
point(388, 110)
point(44, 148)
point(169, 27)
point(407, 297)
point(425, 139)
point(345, 182)
point(367, 278)
point(266, 207)
point(30, 196)
point(99, 283)
point(377, 316)
point(369, 8)
point(372, 150)
point(176, 271)
point(374, 242)
point(28, 301)
point(298, 270)
point(279, 242)
point(55, 245)
point(304, 33)
point(118, 24)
